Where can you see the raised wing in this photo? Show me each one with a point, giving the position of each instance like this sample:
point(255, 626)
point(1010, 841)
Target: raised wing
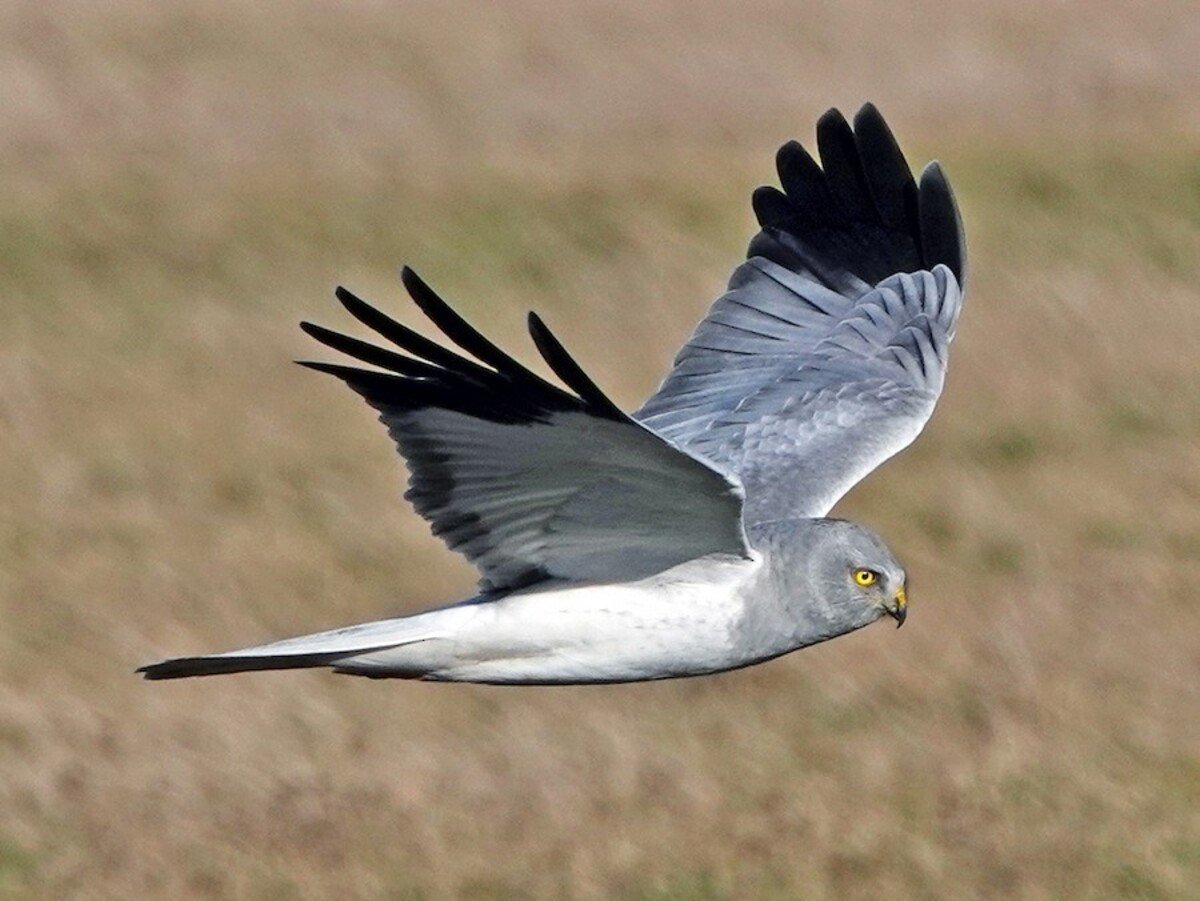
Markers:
point(529, 481)
point(828, 352)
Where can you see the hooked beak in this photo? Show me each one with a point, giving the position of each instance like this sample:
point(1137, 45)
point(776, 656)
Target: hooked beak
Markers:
point(899, 609)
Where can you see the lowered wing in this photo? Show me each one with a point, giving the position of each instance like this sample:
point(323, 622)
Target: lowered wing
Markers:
point(828, 352)
point(525, 479)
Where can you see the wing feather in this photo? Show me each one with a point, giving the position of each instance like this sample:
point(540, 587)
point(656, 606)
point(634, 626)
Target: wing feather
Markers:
point(827, 353)
point(525, 479)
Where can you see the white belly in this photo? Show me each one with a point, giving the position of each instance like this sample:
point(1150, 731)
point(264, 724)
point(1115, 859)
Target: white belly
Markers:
point(679, 622)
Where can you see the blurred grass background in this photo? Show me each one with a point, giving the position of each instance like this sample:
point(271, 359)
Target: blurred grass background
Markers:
point(184, 182)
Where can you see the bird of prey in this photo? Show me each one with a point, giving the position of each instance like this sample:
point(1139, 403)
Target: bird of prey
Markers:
point(690, 536)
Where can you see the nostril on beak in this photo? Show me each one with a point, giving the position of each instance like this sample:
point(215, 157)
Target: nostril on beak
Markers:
point(899, 611)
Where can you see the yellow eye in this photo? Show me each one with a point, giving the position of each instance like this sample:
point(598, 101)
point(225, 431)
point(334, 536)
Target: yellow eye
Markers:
point(866, 577)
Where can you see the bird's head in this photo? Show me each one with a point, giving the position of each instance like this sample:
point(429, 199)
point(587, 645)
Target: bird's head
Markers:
point(860, 579)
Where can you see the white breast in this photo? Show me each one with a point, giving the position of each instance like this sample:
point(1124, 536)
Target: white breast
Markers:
point(676, 623)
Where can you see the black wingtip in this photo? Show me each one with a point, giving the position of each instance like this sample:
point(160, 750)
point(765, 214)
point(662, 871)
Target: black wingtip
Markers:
point(831, 118)
point(786, 151)
point(771, 206)
point(311, 329)
point(316, 365)
point(370, 353)
point(430, 302)
point(859, 210)
point(365, 313)
point(805, 185)
point(458, 330)
point(874, 134)
point(892, 187)
point(798, 171)
point(412, 281)
point(869, 117)
point(405, 338)
point(565, 367)
point(842, 162)
point(835, 140)
point(345, 373)
point(866, 110)
point(941, 223)
point(355, 305)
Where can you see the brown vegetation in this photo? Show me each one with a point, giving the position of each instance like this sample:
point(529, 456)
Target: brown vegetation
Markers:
point(183, 182)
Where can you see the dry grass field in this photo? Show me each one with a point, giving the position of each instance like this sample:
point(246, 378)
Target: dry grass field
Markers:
point(183, 182)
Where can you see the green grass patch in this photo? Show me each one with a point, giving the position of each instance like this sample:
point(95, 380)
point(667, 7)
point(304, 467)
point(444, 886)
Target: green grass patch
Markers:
point(1009, 446)
point(18, 869)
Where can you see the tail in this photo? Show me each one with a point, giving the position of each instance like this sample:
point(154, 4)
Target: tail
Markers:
point(234, 662)
point(336, 648)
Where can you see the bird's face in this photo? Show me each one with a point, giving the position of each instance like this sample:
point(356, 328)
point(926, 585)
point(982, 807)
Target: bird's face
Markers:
point(863, 579)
